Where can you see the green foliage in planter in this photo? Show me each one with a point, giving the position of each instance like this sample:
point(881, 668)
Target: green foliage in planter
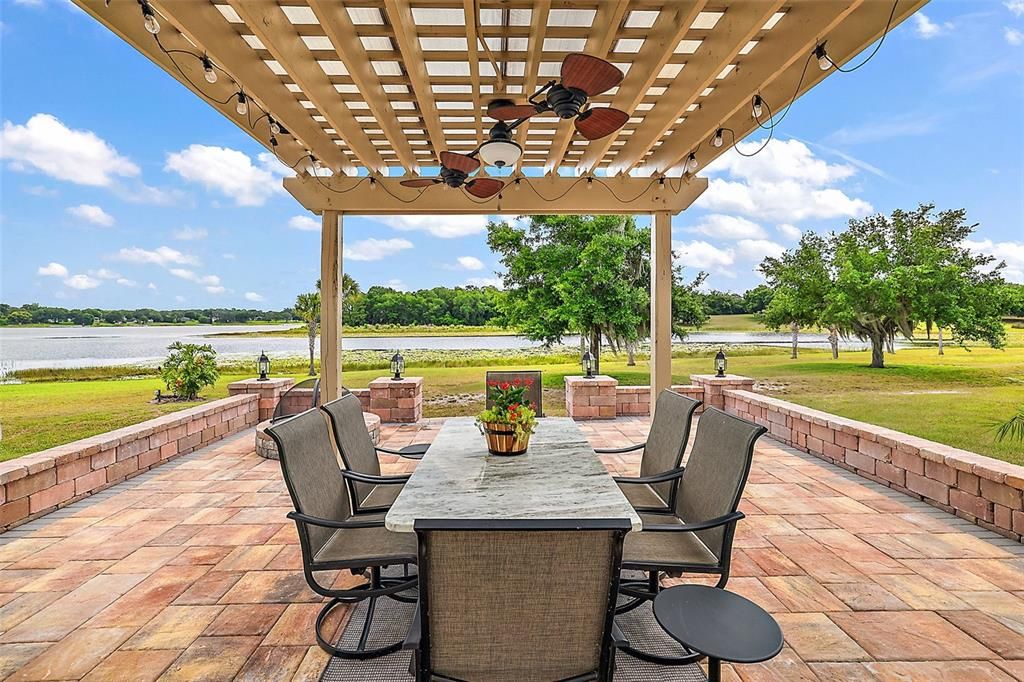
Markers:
point(189, 368)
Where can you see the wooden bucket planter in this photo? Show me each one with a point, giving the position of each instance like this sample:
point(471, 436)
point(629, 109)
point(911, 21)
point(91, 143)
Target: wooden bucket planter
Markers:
point(502, 440)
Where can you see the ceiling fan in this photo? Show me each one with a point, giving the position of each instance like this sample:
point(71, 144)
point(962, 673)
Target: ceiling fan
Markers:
point(455, 171)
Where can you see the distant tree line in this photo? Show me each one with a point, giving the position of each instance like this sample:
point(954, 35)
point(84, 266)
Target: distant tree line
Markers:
point(750, 302)
point(33, 313)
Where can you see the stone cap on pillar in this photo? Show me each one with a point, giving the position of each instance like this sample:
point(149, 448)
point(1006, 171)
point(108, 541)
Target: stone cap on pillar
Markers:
point(388, 382)
point(727, 380)
point(597, 380)
point(254, 385)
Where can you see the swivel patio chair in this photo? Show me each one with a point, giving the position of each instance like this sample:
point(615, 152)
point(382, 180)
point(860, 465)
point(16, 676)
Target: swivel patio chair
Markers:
point(329, 537)
point(697, 537)
point(654, 491)
point(370, 492)
point(483, 615)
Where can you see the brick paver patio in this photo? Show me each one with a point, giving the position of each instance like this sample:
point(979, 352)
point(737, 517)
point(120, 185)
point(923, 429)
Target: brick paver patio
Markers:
point(191, 572)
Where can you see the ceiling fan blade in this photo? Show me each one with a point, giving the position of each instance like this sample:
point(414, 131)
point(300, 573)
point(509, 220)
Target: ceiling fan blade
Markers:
point(459, 162)
point(599, 122)
point(484, 187)
point(589, 74)
point(419, 182)
point(511, 112)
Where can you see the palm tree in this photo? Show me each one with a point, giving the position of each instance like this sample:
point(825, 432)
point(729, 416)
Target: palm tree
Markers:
point(1012, 428)
point(307, 307)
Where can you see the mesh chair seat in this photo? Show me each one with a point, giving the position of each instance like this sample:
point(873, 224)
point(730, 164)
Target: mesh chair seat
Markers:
point(646, 549)
point(642, 496)
point(381, 496)
point(361, 547)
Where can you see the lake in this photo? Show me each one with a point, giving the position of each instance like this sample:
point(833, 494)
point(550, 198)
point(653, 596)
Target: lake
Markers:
point(69, 347)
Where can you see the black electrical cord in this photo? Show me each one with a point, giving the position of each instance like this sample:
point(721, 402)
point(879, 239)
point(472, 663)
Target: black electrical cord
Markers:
point(878, 45)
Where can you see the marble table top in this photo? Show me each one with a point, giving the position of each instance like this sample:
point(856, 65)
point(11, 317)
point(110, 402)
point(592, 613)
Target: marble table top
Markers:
point(559, 477)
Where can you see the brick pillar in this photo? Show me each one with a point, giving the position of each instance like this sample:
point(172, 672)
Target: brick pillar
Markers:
point(397, 401)
point(590, 398)
point(713, 386)
point(269, 391)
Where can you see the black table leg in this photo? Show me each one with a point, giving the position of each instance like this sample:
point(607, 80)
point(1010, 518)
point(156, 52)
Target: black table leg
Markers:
point(714, 670)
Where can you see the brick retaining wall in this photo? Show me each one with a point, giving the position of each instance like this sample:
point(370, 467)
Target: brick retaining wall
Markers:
point(981, 489)
point(632, 401)
point(35, 484)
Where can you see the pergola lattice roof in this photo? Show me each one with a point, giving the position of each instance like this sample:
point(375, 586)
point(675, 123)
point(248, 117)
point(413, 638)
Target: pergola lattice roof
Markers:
point(386, 85)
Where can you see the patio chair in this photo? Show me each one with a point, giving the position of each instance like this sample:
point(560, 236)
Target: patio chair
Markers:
point(534, 389)
point(329, 537)
point(654, 491)
point(483, 615)
point(369, 491)
point(697, 536)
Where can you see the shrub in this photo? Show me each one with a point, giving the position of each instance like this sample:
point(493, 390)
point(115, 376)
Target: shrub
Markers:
point(189, 368)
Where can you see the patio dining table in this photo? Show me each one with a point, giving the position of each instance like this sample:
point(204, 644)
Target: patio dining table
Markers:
point(560, 477)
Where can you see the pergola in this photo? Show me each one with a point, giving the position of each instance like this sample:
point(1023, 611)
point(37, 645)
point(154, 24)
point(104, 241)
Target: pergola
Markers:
point(368, 92)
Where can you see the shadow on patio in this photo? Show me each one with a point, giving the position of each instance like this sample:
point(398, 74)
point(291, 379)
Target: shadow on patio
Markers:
point(191, 571)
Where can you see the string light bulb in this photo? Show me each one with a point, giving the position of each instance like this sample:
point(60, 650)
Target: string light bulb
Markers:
point(275, 127)
point(316, 162)
point(590, 183)
point(717, 140)
point(517, 185)
point(208, 71)
point(149, 19)
point(824, 61)
point(691, 162)
point(273, 141)
point(242, 106)
point(758, 106)
point(373, 184)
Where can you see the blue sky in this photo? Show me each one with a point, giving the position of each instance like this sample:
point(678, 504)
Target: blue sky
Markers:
point(108, 196)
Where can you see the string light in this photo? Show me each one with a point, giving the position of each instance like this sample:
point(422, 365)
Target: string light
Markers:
point(824, 62)
point(275, 127)
point(590, 183)
point(316, 162)
point(758, 106)
point(242, 107)
point(149, 19)
point(208, 71)
point(717, 140)
point(691, 162)
point(517, 185)
point(373, 184)
point(273, 141)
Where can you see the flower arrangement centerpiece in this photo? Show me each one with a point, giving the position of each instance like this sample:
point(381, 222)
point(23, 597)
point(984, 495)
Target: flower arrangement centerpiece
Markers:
point(508, 424)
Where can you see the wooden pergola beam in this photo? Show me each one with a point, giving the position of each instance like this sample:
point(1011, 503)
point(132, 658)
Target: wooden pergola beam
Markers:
point(535, 196)
point(538, 26)
point(400, 15)
point(739, 24)
point(469, 11)
point(209, 32)
point(338, 27)
point(609, 16)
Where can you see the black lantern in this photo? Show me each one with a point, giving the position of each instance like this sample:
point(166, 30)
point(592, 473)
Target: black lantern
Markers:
point(263, 363)
point(720, 363)
point(588, 365)
point(397, 365)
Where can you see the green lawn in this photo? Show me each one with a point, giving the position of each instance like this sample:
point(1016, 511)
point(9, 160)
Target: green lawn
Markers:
point(951, 399)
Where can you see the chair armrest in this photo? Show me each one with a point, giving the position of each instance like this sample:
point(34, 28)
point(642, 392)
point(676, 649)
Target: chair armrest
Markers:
point(370, 478)
point(619, 640)
point(412, 639)
point(617, 451)
point(663, 477)
point(407, 455)
point(328, 523)
point(691, 527)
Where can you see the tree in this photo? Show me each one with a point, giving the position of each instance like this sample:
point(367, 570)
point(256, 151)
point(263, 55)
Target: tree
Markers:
point(758, 298)
point(800, 280)
point(307, 308)
point(189, 368)
point(892, 272)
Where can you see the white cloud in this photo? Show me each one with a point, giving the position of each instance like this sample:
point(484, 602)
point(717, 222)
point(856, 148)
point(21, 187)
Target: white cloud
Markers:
point(444, 226)
point(151, 286)
point(79, 156)
point(192, 276)
point(82, 282)
point(470, 263)
point(396, 284)
point(52, 270)
point(1012, 253)
point(1015, 6)
point(163, 256)
point(789, 231)
point(727, 227)
point(375, 249)
point(784, 183)
point(228, 171)
point(304, 222)
point(190, 233)
point(1013, 36)
point(253, 296)
point(701, 255)
point(880, 129)
point(485, 282)
point(39, 191)
point(215, 289)
point(758, 249)
point(125, 282)
point(91, 214)
point(141, 193)
point(228, 256)
point(103, 273)
point(179, 299)
point(927, 29)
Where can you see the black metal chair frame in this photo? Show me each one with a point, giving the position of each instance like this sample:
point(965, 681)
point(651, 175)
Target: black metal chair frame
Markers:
point(377, 587)
point(418, 639)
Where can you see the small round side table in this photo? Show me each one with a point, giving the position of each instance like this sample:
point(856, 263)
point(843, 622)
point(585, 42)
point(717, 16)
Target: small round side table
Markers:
point(721, 625)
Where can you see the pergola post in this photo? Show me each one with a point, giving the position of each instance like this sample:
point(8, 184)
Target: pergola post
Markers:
point(661, 305)
point(330, 305)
